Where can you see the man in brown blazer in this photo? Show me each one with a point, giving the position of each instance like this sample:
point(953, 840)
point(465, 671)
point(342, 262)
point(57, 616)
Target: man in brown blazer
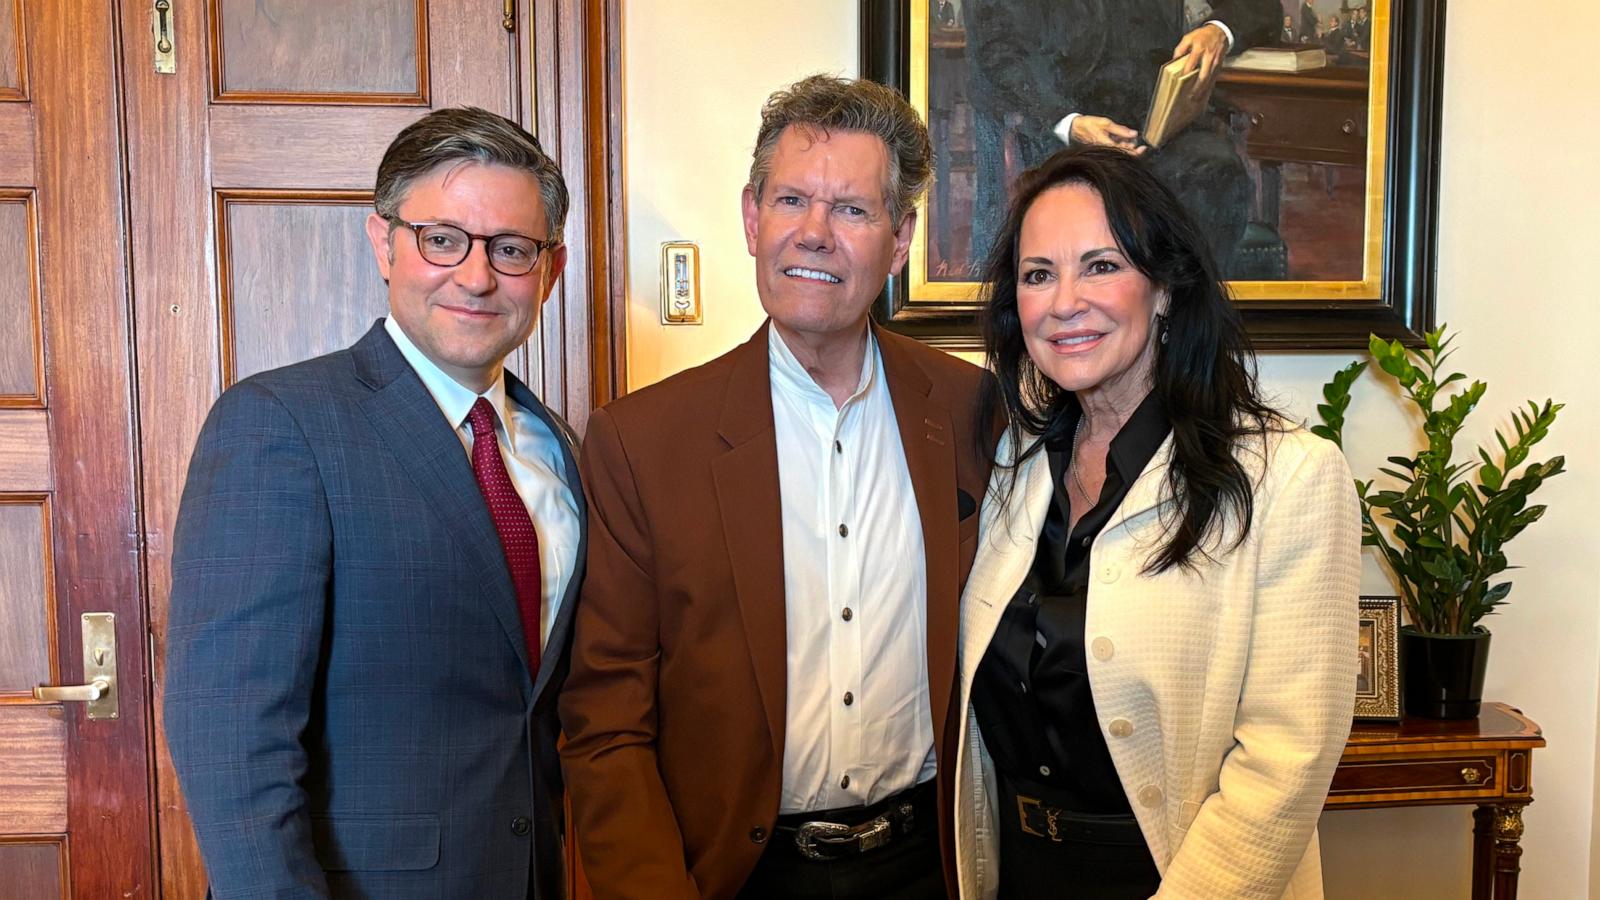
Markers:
point(761, 684)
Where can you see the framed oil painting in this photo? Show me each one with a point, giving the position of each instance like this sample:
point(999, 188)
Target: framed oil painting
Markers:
point(1312, 167)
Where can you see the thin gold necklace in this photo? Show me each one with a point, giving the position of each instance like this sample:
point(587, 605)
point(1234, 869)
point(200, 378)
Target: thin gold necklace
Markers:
point(1077, 435)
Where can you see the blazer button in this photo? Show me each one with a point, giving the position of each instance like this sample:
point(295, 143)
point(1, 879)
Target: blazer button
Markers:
point(1103, 649)
point(521, 826)
point(1150, 796)
point(1121, 728)
point(758, 835)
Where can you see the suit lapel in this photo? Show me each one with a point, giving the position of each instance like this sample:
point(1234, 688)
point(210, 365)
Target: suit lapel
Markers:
point(561, 626)
point(405, 416)
point(746, 479)
point(1005, 552)
point(928, 440)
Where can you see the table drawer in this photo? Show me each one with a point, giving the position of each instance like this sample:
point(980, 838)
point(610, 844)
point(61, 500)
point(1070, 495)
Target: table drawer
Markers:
point(1315, 129)
point(1463, 776)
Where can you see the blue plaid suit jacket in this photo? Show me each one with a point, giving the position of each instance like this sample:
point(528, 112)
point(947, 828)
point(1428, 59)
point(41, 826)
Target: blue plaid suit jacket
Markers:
point(348, 699)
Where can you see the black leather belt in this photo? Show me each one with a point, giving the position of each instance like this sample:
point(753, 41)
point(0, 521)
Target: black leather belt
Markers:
point(838, 834)
point(1039, 819)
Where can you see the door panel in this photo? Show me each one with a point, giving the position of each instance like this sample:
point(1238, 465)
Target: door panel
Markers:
point(33, 770)
point(27, 597)
point(16, 141)
point(68, 545)
point(35, 868)
point(329, 146)
point(24, 461)
point(21, 342)
point(12, 72)
point(275, 313)
point(308, 48)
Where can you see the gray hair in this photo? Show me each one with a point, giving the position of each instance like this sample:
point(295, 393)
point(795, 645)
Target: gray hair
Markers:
point(823, 103)
point(467, 134)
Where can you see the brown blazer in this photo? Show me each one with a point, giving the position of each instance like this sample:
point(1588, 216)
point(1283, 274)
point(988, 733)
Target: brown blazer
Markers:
point(674, 707)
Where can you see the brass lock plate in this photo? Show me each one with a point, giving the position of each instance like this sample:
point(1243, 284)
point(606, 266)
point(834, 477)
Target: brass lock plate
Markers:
point(100, 661)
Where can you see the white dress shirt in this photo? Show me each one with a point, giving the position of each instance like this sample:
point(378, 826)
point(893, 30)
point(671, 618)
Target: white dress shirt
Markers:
point(532, 454)
point(855, 593)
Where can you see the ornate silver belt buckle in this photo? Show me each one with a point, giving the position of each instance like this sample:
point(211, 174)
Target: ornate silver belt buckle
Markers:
point(875, 836)
point(805, 838)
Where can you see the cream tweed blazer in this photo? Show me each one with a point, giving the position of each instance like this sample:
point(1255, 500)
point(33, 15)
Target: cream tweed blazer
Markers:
point(1224, 694)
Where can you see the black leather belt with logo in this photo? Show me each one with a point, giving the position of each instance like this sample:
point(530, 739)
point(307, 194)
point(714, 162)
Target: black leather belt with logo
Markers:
point(1040, 819)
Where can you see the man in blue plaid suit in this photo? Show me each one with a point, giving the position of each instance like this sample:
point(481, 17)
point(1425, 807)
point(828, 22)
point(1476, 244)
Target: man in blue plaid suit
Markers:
point(376, 563)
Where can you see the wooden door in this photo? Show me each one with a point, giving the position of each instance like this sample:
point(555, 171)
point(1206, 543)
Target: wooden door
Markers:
point(250, 172)
point(75, 811)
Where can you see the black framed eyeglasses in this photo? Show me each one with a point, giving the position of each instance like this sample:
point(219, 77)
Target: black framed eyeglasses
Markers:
point(446, 246)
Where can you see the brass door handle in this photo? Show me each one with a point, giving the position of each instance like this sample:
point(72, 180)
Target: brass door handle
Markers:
point(99, 690)
point(81, 693)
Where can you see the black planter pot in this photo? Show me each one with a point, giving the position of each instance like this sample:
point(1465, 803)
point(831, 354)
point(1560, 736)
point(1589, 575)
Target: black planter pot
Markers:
point(1443, 673)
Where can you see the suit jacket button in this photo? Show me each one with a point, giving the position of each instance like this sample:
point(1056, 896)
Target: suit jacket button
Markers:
point(521, 826)
point(1150, 796)
point(758, 835)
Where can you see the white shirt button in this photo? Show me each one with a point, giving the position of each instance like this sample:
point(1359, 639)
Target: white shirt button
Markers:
point(1110, 572)
point(1121, 728)
point(1149, 796)
point(1103, 649)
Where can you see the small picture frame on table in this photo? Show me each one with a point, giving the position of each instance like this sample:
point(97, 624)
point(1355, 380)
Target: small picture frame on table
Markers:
point(1378, 648)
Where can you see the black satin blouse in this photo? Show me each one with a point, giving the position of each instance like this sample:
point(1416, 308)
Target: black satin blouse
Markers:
point(1031, 691)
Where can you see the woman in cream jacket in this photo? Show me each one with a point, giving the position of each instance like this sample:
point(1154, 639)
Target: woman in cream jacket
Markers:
point(1158, 634)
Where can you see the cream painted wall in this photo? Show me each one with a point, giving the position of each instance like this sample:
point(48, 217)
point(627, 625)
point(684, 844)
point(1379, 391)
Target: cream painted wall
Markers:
point(696, 75)
point(1518, 271)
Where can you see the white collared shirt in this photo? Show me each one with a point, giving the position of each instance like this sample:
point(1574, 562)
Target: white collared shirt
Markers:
point(532, 454)
point(855, 593)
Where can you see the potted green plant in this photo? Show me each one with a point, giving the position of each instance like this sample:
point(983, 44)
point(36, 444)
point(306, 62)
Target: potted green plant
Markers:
point(1442, 526)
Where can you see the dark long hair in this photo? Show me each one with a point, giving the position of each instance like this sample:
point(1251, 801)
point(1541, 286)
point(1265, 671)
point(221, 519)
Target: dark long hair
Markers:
point(1204, 372)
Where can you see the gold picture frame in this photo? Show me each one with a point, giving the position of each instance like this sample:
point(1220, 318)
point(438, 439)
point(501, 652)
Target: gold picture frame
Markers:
point(1378, 652)
point(1368, 121)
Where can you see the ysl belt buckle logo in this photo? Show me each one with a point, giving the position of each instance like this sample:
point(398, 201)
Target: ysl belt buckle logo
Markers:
point(1030, 809)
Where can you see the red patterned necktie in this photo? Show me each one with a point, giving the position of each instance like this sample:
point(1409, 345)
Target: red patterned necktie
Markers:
point(511, 520)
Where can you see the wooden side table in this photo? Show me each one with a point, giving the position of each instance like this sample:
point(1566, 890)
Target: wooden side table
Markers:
point(1487, 761)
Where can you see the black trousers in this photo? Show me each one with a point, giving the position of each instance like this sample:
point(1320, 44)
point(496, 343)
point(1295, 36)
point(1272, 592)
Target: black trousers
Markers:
point(1088, 857)
point(909, 868)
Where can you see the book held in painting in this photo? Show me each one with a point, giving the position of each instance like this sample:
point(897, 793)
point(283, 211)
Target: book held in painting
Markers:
point(1178, 99)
